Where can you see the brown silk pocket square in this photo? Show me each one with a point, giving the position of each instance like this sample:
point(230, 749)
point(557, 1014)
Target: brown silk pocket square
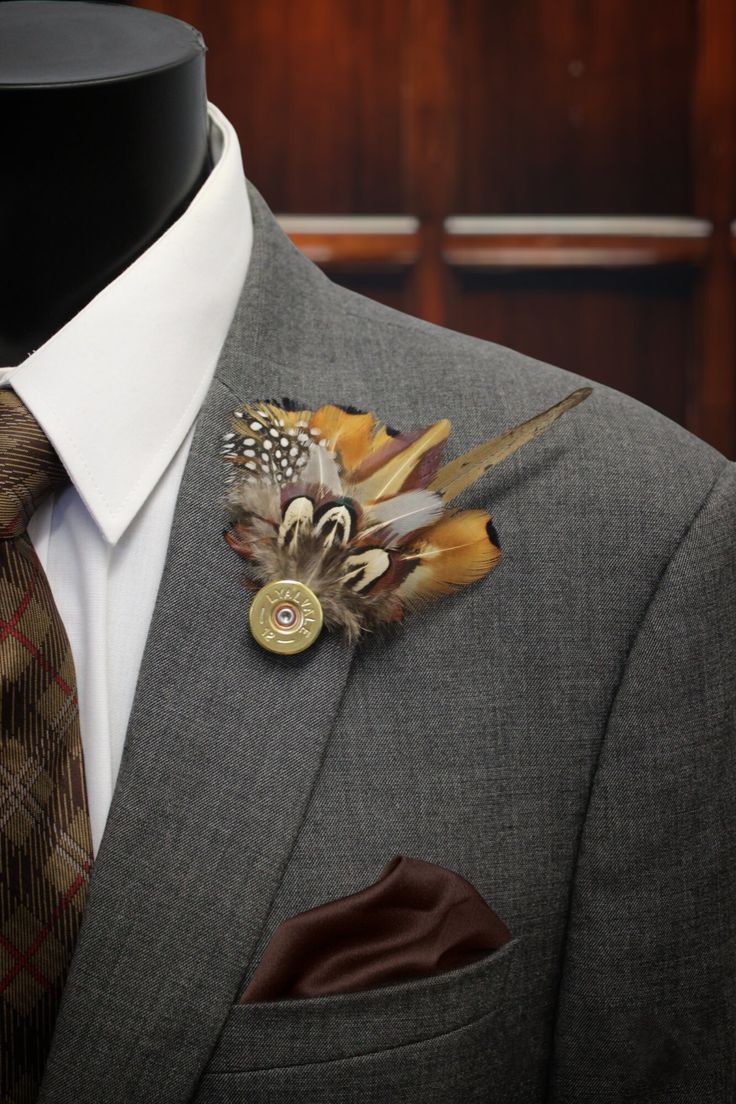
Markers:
point(417, 919)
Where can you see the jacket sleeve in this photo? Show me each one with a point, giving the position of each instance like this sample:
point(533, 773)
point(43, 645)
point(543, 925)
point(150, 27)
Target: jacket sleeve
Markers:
point(647, 1000)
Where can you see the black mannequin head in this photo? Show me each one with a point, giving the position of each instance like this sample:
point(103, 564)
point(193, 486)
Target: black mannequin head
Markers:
point(103, 112)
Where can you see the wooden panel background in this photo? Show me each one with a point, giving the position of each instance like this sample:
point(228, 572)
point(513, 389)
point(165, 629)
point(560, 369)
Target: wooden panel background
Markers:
point(555, 175)
point(589, 106)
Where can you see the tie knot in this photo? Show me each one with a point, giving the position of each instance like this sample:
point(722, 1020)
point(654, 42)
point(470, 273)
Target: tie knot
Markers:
point(30, 468)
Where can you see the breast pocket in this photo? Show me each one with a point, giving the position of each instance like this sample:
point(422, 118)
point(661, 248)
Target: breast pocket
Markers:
point(436, 1039)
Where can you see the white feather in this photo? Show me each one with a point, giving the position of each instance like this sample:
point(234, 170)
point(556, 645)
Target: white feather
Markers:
point(296, 521)
point(363, 568)
point(404, 513)
point(321, 468)
point(336, 524)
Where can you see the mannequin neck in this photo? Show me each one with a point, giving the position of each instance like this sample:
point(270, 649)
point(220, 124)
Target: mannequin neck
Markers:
point(103, 112)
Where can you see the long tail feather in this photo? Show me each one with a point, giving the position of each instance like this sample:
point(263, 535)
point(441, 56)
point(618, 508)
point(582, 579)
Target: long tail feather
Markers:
point(454, 477)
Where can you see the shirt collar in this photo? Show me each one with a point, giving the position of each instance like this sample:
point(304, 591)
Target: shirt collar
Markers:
point(118, 387)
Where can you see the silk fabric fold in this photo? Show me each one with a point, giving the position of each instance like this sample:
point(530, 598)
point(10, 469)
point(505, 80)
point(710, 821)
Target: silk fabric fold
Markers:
point(416, 920)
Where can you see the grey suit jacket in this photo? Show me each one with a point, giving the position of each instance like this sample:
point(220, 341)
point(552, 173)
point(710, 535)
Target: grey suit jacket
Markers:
point(561, 734)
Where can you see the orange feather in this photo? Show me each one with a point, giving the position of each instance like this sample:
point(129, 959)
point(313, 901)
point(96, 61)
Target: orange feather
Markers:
point(456, 551)
point(350, 435)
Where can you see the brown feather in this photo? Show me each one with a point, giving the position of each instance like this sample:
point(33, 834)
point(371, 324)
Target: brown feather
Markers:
point(465, 470)
point(389, 478)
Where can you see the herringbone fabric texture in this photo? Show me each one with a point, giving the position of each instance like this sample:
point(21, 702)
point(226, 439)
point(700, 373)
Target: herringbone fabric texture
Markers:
point(45, 839)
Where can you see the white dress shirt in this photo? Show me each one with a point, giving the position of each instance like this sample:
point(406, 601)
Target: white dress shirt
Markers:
point(117, 390)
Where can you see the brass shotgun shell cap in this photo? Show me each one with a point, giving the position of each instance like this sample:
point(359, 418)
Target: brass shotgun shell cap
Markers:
point(285, 617)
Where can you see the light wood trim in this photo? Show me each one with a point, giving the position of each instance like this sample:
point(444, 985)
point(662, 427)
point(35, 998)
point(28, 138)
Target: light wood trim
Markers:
point(327, 225)
point(360, 252)
point(576, 250)
point(589, 226)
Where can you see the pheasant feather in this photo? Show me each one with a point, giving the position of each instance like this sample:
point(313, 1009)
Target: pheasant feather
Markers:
point(334, 501)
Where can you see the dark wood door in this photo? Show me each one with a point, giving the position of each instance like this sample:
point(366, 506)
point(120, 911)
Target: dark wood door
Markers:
point(555, 175)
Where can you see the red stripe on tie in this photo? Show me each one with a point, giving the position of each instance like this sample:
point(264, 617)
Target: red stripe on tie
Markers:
point(24, 956)
point(9, 529)
point(20, 609)
point(22, 964)
point(36, 653)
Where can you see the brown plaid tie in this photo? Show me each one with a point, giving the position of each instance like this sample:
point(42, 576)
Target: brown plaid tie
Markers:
point(45, 839)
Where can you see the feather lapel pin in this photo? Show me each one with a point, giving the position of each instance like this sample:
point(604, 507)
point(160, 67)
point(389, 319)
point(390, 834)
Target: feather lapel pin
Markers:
point(344, 521)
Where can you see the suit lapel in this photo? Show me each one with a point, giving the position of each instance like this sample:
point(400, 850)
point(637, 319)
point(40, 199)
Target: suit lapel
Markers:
point(222, 752)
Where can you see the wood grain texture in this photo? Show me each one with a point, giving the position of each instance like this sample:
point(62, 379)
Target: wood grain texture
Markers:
point(711, 410)
point(312, 87)
point(574, 106)
point(430, 163)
